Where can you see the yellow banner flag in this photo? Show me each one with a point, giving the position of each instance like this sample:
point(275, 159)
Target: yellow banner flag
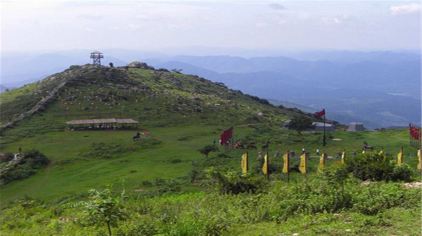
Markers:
point(419, 160)
point(343, 157)
point(303, 165)
point(400, 157)
point(265, 166)
point(322, 160)
point(286, 166)
point(244, 164)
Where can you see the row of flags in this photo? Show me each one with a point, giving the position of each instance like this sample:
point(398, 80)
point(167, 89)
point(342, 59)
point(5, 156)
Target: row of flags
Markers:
point(303, 162)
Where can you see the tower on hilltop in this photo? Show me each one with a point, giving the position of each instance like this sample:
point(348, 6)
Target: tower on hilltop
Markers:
point(96, 57)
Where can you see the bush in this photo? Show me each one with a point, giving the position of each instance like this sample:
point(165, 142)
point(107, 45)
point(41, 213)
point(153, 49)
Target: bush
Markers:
point(207, 149)
point(103, 208)
point(233, 183)
point(30, 163)
point(403, 173)
point(300, 123)
point(378, 197)
point(377, 167)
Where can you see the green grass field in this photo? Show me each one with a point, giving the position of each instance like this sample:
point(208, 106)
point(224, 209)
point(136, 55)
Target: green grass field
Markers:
point(72, 172)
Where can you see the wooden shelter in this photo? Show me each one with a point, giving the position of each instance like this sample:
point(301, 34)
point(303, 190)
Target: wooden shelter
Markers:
point(102, 124)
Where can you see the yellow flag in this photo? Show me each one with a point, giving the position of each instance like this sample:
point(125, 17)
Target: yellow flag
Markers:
point(322, 160)
point(381, 153)
point(244, 164)
point(265, 166)
point(303, 165)
point(286, 166)
point(419, 160)
point(400, 157)
point(343, 157)
point(363, 151)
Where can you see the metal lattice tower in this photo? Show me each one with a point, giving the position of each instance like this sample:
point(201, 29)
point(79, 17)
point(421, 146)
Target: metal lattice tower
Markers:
point(96, 57)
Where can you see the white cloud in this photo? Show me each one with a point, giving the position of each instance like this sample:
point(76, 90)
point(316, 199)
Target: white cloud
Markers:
point(405, 9)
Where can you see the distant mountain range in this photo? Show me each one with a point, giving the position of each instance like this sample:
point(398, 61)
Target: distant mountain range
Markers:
point(380, 89)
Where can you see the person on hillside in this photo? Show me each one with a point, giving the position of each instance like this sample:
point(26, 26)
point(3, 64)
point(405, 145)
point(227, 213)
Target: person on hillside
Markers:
point(137, 136)
point(317, 151)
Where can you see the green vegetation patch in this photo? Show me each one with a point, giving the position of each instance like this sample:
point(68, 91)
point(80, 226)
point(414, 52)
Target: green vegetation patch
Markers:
point(21, 166)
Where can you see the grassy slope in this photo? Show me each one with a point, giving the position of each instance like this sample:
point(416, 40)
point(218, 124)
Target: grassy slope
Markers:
point(181, 132)
point(184, 106)
point(72, 173)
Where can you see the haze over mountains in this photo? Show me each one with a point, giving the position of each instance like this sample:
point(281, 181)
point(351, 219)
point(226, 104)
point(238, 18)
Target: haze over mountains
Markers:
point(379, 88)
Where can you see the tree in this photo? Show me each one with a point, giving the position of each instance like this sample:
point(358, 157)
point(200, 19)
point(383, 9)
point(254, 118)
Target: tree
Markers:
point(103, 208)
point(207, 149)
point(300, 123)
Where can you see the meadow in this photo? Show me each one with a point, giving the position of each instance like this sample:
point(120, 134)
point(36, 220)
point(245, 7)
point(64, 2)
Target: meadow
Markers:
point(74, 169)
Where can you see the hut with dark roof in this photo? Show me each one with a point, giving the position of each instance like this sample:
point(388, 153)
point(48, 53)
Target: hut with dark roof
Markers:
point(102, 124)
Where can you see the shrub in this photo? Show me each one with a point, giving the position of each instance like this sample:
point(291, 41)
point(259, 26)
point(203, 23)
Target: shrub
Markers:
point(300, 123)
point(402, 173)
point(372, 166)
point(207, 149)
point(30, 163)
point(103, 208)
point(378, 197)
point(233, 183)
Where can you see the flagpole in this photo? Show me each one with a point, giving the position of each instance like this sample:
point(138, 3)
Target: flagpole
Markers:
point(324, 142)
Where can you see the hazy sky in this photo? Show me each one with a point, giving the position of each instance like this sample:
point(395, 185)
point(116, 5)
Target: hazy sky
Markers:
point(162, 25)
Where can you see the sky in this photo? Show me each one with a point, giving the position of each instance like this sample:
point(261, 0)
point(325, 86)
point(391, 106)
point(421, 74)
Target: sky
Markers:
point(158, 25)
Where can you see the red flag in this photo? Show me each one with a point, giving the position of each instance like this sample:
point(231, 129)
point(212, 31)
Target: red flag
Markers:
point(415, 132)
point(226, 136)
point(319, 114)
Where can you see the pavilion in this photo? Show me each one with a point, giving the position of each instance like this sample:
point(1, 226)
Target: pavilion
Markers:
point(104, 124)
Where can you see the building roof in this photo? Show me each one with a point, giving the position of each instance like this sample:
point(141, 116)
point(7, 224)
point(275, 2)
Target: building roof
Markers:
point(321, 124)
point(102, 121)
